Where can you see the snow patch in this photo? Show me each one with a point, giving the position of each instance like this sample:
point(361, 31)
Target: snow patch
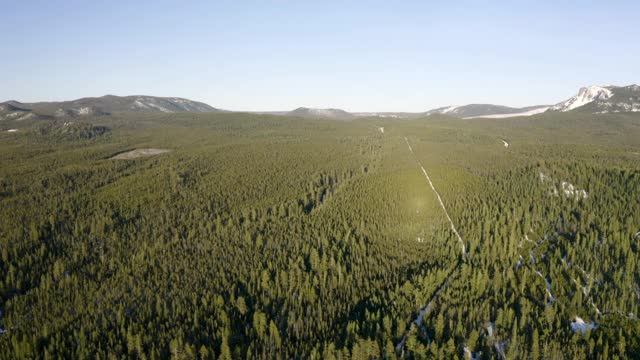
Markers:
point(471, 356)
point(156, 106)
point(450, 109)
point(571, 191)
point(380, 115)
point(544, 177)
point(490, 329)
point(133, 154)
point(181, 101)
point(19, 115)
point(551, 298)
point(84, 111)
point(140, 104)
point(322, 112)
point(504, 116)
point(25, 117)
point(579, 325)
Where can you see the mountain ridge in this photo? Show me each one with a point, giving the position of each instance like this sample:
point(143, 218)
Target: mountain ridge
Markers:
point(104, 105)
point(602, 100)
point(592, 99)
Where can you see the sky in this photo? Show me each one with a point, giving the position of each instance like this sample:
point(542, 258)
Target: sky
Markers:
point(353, 55)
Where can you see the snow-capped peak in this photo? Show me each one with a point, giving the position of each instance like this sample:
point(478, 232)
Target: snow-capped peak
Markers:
point(585, 96)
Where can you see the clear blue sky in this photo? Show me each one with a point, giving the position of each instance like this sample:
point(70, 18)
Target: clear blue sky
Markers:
point(355, 55)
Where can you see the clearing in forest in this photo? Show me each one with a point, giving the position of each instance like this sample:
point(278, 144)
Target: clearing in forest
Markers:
point(134, 154)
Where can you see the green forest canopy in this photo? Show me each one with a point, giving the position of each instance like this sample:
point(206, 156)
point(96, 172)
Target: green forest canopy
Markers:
point(279, 237)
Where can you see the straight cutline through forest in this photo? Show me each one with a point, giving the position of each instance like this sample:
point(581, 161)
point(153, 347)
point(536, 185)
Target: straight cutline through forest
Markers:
point(453, 227)
point(424, 311)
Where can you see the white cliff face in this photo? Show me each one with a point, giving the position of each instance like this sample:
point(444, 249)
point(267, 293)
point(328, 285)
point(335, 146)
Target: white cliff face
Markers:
point(585, 96)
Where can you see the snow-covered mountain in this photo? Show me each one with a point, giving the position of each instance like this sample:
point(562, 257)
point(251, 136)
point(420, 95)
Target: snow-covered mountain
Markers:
point(103, 105)
point(585, 95)
point(603, 99)
point(166, 104)
point(592, 99)
point(487, 110)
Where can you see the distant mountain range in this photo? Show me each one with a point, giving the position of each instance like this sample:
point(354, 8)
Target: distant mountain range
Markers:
point(100, 106)
point(592, 99)
point(603, 99)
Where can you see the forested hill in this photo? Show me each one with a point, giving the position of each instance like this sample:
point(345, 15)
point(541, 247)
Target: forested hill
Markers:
point(224, 235)
point(104, 105)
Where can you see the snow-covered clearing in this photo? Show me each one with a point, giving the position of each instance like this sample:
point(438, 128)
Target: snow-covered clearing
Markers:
point(504, 116)
point(579, 325)
point(134, 154)
point(569, 190)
